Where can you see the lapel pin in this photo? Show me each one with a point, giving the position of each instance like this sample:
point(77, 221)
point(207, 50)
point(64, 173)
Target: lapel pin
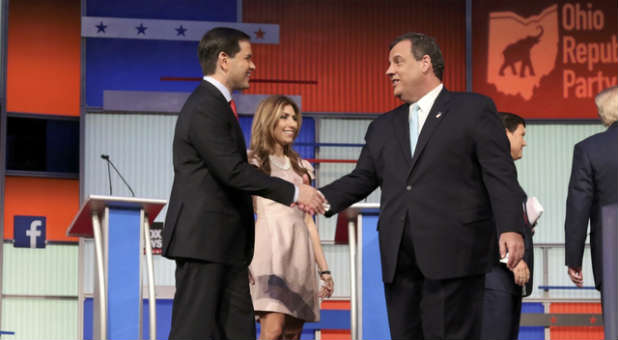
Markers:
point(439, 115)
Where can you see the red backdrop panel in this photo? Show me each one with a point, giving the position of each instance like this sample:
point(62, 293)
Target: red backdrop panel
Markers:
point(56, 199)
point(43, 57)
point(342, 47)
point(545, 59)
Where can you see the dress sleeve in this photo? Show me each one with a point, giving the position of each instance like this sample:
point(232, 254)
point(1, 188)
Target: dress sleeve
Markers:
point(305, 164)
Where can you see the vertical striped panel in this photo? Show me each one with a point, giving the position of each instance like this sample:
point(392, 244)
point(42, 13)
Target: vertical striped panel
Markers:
point(39, 318)
point(338, 259)
point(545, 169)
point(141, 147)
point(48, 271)
point(344, 131)
point(343, 46)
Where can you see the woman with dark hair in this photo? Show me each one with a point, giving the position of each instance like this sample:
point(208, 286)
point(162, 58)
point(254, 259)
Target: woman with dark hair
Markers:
point(284, 285)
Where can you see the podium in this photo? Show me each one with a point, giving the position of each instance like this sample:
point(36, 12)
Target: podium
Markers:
point(368, 313)
point(120, 227)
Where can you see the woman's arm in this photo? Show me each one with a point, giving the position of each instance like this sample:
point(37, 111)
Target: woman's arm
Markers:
point(327, 289)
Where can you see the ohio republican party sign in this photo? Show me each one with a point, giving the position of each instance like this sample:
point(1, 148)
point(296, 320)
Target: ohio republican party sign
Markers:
point(545, 59)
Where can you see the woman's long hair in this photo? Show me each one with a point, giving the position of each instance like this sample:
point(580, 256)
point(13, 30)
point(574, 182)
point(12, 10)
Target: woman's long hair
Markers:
point(262, 130)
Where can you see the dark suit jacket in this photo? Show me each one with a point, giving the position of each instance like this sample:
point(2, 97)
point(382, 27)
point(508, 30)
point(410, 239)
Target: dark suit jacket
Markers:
point(593, 184)
point(501, 278)
point(210, 213)
point(459, 186)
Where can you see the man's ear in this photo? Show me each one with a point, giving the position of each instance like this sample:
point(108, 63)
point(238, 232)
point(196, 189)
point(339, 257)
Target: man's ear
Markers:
point(222, 60)
point(426, 64)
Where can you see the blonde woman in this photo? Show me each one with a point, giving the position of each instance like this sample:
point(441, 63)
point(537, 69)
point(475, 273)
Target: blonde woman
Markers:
point(288, 256)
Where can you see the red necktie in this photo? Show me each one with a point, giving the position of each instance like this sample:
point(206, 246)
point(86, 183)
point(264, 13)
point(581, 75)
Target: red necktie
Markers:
point(233, 106)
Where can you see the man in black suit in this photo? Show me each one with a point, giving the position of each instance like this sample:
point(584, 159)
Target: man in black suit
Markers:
point(444, 193)
point(504, 287)
point(209, 227)
point(593, 184)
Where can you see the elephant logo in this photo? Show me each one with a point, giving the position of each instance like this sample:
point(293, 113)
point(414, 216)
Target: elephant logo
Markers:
point(521, 50)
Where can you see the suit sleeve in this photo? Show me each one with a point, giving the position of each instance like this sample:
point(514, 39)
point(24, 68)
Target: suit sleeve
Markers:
point(579, 202)
point(498, 171)
point(211, 135)
point(356, 185)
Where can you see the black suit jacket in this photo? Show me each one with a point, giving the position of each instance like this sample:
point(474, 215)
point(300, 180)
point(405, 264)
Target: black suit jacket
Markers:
point(593, 184)
point(460, 184)
point(501, 278)
point(210, 213)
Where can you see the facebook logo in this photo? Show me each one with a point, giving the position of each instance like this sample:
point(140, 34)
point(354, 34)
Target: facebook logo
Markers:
point(29, 231)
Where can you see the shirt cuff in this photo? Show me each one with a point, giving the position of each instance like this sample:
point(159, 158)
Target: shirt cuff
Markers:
point(295, 193)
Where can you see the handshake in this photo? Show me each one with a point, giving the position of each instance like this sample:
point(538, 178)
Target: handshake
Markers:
point(311, 200)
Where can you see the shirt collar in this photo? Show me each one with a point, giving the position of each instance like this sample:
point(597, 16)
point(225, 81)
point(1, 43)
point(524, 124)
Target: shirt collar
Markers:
point(426, 102)
point(224, 91)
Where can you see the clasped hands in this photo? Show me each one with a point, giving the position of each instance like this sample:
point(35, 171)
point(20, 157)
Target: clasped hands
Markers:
point(310, 200)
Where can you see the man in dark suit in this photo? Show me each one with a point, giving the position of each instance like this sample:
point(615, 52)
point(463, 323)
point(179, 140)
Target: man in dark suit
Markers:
point(447, 181)
point(504, 288)
point(593, 184)
point(209, 227)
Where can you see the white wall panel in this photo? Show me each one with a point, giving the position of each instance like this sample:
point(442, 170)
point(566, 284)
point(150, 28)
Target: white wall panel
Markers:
point(558, 277)
point(140, 145)
point(38, 318)
point(338, 258)
point(545, 169)
point(344, 131)
point(44, 271)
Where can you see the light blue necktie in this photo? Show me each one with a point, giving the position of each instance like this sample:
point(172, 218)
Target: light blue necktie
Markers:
point(414, 128)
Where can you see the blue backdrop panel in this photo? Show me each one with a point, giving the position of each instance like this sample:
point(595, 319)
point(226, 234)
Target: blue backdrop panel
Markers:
point(138, 65)
point(203, 10)
point(123, 273)
point(532, 333)
point(374, 316)
point(164, 318)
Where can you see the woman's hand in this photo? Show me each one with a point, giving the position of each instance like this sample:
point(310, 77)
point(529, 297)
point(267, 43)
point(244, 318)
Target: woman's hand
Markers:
point(328, 286)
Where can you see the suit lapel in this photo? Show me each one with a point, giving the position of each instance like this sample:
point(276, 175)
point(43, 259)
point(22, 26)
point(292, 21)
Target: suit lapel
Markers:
point(229, 115)
point(437, 114)
point(401, 126)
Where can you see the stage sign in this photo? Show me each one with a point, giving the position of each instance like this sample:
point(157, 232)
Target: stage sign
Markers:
point(545, 59)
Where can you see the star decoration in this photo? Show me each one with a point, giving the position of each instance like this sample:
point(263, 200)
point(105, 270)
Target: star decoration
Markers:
point(593, 319)
point(101, 28)
point(553, 319)
point(259, 34)
point(141, 29)
point(181, 31)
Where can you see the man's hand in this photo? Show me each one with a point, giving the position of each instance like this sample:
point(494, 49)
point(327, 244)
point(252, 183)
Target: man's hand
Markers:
point(521, 273)
point(576, 276)
point(310, 200)
point(514, 244)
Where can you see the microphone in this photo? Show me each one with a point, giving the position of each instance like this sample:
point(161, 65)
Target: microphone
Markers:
point(109, 162)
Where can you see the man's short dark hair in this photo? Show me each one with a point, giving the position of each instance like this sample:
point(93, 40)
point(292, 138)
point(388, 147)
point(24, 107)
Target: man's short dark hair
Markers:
point(218, 39)
point(423, 44)
point(511, 121)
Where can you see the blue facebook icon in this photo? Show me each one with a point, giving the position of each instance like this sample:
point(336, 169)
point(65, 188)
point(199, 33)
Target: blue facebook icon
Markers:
point(29, 231)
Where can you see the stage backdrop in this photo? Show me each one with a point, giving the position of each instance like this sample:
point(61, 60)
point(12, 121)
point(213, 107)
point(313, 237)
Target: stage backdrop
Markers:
point(545, 59)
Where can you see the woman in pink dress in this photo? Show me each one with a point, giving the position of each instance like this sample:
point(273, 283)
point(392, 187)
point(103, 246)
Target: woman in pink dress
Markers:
point(288, 256)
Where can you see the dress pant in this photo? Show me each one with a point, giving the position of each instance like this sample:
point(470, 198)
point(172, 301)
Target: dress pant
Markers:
point(212, 301)
point(421, 308)
point(501, 315)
